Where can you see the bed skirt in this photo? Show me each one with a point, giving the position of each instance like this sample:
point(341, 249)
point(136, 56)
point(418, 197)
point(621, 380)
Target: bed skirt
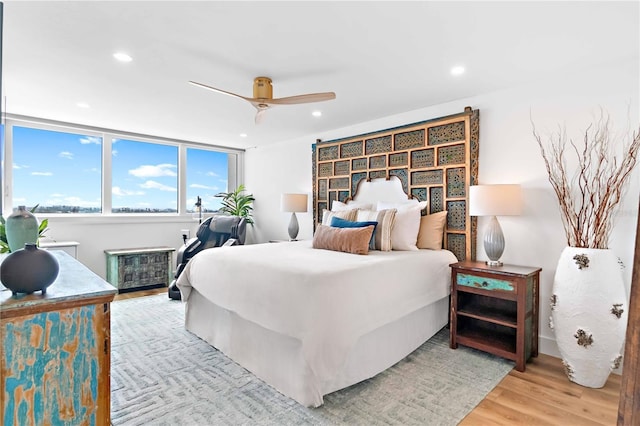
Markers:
point(278, 359)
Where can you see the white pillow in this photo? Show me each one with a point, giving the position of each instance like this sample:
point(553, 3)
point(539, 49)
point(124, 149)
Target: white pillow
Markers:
point(383, 205)
point(404, 233)
point(339, 206)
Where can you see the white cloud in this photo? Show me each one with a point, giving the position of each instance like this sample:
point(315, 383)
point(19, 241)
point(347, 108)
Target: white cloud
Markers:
point(151, 184)
point(93, 170)
point(57, 195)
point(212, 174)
point(159, 170)
point(116, 190)
point(90, 140)
point(18, 166)
point(114, 152)
point(143, 204)
point(19, 200)
point(199, 186)
point(41, 174)
point(66, 154)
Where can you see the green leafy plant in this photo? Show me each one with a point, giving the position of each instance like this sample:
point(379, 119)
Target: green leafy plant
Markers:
point(236, 203)
point(4, 244)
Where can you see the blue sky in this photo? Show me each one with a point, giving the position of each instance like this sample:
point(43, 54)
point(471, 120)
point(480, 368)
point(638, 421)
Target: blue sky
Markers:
point(57, 168)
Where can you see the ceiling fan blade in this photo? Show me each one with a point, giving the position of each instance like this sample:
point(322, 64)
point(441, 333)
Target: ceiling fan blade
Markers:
point(302, 99)
point(260, 115)
point(224, 92)
point(262, 109)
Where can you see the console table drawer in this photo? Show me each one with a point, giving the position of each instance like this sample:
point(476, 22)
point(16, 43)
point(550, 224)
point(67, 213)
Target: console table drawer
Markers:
point(484, 283)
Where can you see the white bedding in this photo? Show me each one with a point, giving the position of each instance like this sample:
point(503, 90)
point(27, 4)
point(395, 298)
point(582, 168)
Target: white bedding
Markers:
point(325, 299)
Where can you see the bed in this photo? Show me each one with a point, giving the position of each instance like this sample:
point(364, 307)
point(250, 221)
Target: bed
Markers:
point(308, 321)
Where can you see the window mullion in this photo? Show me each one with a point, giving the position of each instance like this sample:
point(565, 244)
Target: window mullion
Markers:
point(182, 180)
point(107, 157)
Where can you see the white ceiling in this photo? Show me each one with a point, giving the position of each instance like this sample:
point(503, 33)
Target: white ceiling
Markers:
point(380, 58)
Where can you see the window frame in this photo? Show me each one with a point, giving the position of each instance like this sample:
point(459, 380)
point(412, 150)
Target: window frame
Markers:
point(235, 158)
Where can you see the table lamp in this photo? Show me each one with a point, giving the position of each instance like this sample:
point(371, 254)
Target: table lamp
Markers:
point(293, 203)
point(494, 200)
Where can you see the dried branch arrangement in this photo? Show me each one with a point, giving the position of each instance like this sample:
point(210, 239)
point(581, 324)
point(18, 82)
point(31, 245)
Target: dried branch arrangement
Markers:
point(588, 199)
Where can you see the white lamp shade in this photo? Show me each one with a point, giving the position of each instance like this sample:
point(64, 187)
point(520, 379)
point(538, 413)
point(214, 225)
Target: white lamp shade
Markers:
point(495, 200)
point(293, 203)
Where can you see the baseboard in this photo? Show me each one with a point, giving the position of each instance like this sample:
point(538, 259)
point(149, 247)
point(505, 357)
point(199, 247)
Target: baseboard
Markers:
point(548, 346)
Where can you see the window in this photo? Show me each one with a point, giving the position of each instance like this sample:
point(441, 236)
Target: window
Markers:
point(67, 168)
point(61, 172)
point(144, 177)
point(207, 175)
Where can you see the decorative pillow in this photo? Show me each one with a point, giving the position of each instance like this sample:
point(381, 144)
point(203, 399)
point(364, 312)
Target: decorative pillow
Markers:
point(338, 206)
point(348, 240)
point(336, 222)
point(404, 234)
point(385, 219)
point(432, 231)
point(345, 214)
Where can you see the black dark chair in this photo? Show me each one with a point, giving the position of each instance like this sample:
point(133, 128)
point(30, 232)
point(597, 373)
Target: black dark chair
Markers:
point(216, 231)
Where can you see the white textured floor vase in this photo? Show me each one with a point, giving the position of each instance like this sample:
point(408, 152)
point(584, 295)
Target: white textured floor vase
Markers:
point(589, 314)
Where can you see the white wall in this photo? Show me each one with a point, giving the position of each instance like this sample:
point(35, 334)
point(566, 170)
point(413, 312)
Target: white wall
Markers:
point(98, 234)
point(508, 154)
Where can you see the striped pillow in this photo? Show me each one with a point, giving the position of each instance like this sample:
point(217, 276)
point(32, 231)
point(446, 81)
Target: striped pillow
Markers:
point(385, 219)
point(344, 214)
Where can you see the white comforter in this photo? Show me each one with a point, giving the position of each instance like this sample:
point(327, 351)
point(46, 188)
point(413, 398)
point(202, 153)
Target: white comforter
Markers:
point(325, 299)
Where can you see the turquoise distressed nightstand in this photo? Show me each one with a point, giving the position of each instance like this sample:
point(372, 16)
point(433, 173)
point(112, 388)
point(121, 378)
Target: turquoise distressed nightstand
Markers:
point(495, 309)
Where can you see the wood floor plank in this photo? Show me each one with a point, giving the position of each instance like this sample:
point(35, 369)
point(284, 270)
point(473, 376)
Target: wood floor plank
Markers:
point(542, 395)
point(596, 412)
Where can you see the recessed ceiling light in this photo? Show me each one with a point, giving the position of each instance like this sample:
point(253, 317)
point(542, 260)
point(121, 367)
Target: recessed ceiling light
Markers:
point(243, 135)
point(122, 57)
point(82, 105)
point(317, 113)
point(457, 70)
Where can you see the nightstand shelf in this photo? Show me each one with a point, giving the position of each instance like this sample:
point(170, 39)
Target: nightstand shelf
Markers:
point(500, 341)
point(495, 309)
point(488, 309)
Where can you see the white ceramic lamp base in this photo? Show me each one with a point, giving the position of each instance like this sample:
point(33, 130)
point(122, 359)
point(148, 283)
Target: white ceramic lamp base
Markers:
point(293, 227)
point(493, 242)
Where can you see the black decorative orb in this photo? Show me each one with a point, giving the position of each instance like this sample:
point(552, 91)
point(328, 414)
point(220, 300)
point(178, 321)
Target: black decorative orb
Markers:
point(28, 270)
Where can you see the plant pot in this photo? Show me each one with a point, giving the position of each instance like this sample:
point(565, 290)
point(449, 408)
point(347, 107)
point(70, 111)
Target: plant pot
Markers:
point(21, 228)
point(589, 311)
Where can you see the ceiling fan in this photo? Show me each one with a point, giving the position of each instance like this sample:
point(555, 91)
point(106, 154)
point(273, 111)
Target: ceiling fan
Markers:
point(263, 96)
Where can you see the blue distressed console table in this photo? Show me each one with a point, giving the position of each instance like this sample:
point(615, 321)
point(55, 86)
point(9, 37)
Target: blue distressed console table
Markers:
point(55, 353)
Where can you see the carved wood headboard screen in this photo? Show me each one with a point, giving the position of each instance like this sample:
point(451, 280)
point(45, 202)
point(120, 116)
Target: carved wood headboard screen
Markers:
point(436, 161)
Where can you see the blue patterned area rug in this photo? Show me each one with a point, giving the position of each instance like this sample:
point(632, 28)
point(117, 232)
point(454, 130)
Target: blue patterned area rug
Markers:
point(163, 375)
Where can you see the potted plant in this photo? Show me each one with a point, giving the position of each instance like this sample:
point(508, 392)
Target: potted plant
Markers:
point(589, 304)
point(236, 203)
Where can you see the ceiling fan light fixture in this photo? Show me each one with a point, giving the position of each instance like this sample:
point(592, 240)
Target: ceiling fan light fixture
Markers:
point(317, 113)
point(243, 135)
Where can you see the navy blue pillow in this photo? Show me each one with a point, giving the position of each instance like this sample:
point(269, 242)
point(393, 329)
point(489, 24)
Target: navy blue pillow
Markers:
point(337, 222)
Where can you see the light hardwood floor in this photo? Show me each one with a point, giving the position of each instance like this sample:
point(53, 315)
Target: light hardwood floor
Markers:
point(541, 395)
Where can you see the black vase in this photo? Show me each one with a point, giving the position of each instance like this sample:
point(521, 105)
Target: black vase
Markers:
point(28, 270)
